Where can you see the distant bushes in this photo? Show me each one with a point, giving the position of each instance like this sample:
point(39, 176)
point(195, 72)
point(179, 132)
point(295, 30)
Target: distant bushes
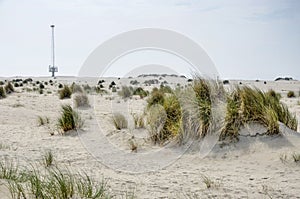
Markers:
point(65, 92)
point(291, 94)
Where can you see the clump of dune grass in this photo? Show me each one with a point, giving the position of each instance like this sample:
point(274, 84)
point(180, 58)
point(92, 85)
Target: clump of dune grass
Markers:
point(9, 88)
point(69, 119)
point(48, 159)
point(119, 121)
point(2, 92)
point(291, 94)
point(203, 101)
point(209, 182)
point(65, 92)
point(296, 157)
point(42, 120)
point(81, 100)
point(246, 105)
point(156, 118)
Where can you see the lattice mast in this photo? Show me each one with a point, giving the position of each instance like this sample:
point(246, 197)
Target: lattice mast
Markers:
point(52, 68)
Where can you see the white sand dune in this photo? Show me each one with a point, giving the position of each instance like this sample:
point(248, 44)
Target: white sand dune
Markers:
point(250, 168)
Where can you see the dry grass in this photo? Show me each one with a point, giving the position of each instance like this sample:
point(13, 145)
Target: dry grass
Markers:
point(81, 100)
point(119, 121)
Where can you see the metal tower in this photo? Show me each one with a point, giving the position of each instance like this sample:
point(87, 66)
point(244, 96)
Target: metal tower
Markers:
point(53, 68)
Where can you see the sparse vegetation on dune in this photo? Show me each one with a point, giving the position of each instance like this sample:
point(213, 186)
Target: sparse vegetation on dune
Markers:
point(69, 119)
point(188, 114)
point(53, 182)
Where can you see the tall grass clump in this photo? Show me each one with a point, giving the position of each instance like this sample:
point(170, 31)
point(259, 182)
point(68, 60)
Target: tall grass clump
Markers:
point(65, 92)
point(247, 104)
point(9, 88)
point(202, 92)
point(164, 116)
point(69, 119)
point(81, 100)
point(119, 121)
point(2, 92)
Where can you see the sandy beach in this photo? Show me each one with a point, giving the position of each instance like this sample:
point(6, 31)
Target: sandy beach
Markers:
point(257, 166)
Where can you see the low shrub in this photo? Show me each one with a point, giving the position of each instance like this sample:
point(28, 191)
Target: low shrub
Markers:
point(69, 119)
point(65, 92)
point(119, 121)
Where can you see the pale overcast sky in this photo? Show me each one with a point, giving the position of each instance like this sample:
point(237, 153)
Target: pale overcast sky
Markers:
point(245, 39)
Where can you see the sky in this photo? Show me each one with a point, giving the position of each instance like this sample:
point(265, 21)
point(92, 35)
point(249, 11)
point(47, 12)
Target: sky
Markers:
point(245, 39)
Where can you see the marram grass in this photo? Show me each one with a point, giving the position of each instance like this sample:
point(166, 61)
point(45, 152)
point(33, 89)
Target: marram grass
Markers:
point(69, 119)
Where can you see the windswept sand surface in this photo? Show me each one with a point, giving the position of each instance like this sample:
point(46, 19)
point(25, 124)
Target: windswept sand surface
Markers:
point(251, 168)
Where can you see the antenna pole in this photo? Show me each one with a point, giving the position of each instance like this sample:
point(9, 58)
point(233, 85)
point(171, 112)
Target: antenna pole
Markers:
point(52, 68)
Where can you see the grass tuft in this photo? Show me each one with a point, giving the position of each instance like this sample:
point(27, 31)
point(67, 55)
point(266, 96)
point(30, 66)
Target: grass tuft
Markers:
point(119, 121)
point(2, 92)
point(65, 92)
point(69, 119)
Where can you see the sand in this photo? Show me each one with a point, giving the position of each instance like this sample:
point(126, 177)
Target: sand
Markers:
point(250, 168)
